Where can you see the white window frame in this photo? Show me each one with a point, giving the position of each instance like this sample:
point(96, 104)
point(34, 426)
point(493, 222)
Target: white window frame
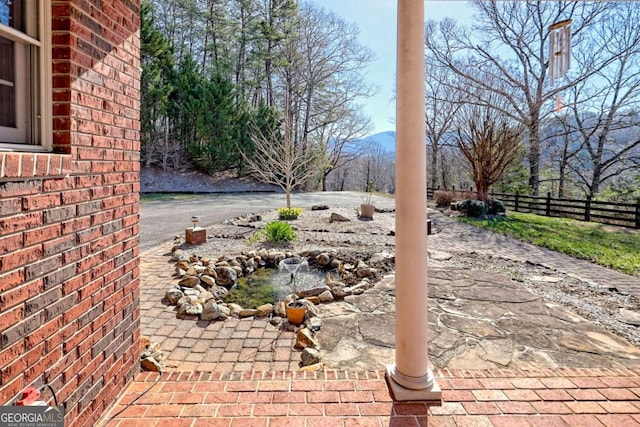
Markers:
point(33, 92)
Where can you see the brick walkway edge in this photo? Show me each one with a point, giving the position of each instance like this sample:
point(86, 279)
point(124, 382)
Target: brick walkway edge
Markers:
point(514, 398)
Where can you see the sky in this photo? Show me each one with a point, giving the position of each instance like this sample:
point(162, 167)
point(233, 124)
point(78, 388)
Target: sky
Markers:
point(376, 20)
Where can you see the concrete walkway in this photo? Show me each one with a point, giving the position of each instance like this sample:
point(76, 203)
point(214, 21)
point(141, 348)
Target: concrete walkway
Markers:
point(258, 382)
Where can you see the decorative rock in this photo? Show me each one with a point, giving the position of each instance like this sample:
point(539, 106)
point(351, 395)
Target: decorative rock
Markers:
point(335, 217)
point(326, 296)
point(279, 309)
point(191, 292)
point(323, 259)
point(183, 265)
point(194, 310)
point(275, 257)
point(227, 276)
point(234, 309)
point(313, 292)
point(247, 312)
point(339, 292)
point(189, 281)
point(210, 311)
point(205, 296)
point(319, 207)
point(314, 300)
point(276, 321)
point(264, 310)
point(314, 324)
point(208, 280)
point(150, 364)
point(312, 310)
point(380, 257)
point(224, 312)
point(238, 270)
point(304, 339)
point(309, 356)
point(335, 263)
point(312, 368)
point(173, 295)
point(263, 254)
point(363, 270)
point(219, 292)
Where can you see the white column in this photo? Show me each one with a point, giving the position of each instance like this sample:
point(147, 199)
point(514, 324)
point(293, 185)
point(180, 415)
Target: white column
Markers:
point(410, 378)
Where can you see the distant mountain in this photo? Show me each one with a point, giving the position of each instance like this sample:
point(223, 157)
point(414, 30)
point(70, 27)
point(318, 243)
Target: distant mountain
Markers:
point(386, 141)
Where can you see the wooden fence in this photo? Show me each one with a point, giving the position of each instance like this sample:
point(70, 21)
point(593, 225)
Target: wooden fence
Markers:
point(622, 214)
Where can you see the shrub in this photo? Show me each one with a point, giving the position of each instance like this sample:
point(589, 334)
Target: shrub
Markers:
point(496, 207)
point(473, 208)
point(277, 232)
point(289, 213)
point(444, 198)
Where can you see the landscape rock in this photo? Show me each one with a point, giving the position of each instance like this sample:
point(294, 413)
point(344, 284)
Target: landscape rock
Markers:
point(319, 207)
point(150, 364)
point(173, 295)
point(336, 217)
point(247, 312)
point(313, 292)
point(208, 280)
point(210, 310)
point(323, 259)
point(326, 296)
point(189, 281)
point(227, 276)
point(264, 310)
point(305, 339)
point(309, 356)
point(234, 309)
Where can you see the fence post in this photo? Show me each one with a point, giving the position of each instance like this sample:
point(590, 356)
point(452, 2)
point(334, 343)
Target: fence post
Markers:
point(638, 213)
point(548, 203)
point(515, 207)
point(587, 209)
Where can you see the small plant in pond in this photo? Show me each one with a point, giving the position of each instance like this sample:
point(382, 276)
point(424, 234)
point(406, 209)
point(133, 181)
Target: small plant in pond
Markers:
point(276, 232)
point(289, 213)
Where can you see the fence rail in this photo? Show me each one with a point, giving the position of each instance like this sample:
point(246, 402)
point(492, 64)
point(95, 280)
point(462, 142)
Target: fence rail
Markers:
point(622, 214)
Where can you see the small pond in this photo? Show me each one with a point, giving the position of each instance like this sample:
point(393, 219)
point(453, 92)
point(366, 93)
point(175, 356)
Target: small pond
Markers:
point(266, 286)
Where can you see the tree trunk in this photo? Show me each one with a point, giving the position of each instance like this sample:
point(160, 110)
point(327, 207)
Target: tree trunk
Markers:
point(534, 158)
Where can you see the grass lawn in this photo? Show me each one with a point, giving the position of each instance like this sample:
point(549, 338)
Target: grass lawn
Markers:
point(595, 242)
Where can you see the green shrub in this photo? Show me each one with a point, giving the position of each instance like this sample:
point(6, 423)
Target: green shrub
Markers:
point(473, 208)
point(289, 213)
point(496, 207)
point(277, 232)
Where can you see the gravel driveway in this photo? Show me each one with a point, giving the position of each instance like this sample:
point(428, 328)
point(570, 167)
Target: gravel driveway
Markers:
point(160, 220)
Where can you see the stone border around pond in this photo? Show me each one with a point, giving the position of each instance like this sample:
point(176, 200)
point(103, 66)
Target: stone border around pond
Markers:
point(204, 282)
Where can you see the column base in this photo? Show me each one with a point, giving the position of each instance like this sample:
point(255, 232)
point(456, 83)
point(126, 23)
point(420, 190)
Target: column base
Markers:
point(430, 393)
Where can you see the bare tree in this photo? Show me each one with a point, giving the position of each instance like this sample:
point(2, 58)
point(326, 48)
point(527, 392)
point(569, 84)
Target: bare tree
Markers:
point(510, 41)
point(443, 101)
point(602, 109)
point(278, 160)
point(490, 141)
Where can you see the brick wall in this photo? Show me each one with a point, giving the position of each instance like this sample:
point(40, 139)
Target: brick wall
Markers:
point(69, 278)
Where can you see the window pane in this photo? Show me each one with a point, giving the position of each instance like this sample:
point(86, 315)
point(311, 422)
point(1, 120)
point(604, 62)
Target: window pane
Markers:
point(12, 13)
point(7, 84)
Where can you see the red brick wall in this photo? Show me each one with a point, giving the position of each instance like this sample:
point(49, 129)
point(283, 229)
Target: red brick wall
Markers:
point(69, 278)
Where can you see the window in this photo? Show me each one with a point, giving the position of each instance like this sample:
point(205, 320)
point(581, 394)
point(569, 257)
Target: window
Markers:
point(25, 75)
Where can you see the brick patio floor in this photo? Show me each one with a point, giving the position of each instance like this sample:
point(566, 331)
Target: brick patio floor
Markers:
point(563, 397)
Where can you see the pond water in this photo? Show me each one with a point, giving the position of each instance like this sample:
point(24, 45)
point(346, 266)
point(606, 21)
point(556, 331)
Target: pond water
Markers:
point(266, 286)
